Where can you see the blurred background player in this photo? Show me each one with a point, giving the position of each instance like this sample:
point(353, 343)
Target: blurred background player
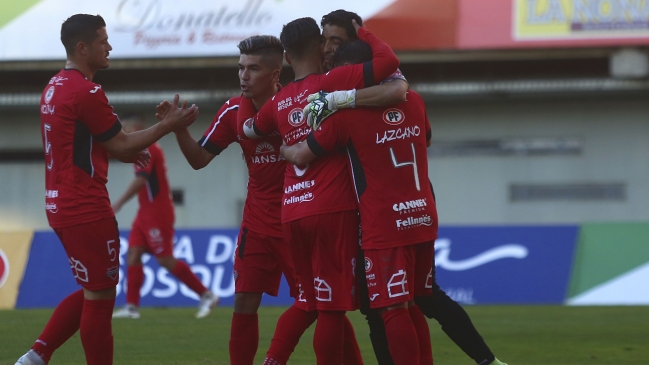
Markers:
point(153, 230)
point(79, 130)
point(261, 255)
point(397, 257)
point(454, 320)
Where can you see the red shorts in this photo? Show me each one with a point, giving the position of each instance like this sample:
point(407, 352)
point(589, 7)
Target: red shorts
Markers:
point(158, 239)
point(395, 275)
point(259, 261)
point(323, 248)
point(93, 252)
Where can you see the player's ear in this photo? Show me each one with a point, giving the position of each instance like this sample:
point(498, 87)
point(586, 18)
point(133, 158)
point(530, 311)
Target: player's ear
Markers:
point(81, 48)
point(276, 73)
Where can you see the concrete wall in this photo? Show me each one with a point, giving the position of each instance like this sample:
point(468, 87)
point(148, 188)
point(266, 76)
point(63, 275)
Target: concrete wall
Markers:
point(470, 190)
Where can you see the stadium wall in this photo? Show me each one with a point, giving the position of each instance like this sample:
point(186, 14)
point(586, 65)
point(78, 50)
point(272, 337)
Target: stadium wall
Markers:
point(591, 264)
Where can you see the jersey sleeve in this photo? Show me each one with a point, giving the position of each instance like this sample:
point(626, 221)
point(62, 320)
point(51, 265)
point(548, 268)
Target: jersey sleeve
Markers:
point(221, 132)
point(330, 135)
point(263, 121)
point(383, 64)
point(94, 111)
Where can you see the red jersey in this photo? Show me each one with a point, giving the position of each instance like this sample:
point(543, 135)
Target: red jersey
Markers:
point(324, 185)
point(261, 212)
point(389, 163)
point(156, 204)
point(75, 115)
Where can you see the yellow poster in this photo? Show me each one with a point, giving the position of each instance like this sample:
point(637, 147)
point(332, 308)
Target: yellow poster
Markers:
point(580, 19)
point(14, 251)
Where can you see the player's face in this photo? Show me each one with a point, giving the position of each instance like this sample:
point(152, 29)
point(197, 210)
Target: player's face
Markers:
point(332, 37)
point(255, 78)
point(98, 51)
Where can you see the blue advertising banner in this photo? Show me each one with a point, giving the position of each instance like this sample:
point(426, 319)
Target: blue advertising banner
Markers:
point(474, 265)
point(505, 265)
point(209, 253)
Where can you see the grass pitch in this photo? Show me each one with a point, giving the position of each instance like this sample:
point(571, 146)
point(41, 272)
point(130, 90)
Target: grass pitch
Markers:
point(518, 335)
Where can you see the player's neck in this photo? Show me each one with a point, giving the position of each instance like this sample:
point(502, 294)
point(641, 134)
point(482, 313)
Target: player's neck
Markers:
point(307, 67)
point(259, 101)
point(88, 72)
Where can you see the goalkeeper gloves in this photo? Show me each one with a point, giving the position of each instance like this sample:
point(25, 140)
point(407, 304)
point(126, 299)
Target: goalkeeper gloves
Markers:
point(322, 105)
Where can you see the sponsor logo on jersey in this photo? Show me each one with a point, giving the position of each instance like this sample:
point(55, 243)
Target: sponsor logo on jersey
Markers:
point(51, 193)
point(298, 98)
point(295, 117)
point(112, 272)
point(393, 116)
point(51, 207)
point(95, 89)
point(398, 285)
point(80, 271)
point(410, 206)
point(322, 290)
point(395, 134)
point(284, 104)
point(4, 268)
point(56, 80)
point(47, 109)
point(306, 197)
point(368, 264)
point(414, 222)
point(265, 153)
point(49, 94)
point(264, 147)
point(299, 186)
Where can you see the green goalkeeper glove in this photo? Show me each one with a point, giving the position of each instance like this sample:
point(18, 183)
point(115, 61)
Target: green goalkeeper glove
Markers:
point(322, 105)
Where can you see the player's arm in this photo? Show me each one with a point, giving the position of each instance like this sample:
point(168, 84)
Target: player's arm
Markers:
point(388, 93)
point(252, 124)
point(317, 143)
point(197, 156)
point(131, 190)
point(298, 154)
point(126, 147)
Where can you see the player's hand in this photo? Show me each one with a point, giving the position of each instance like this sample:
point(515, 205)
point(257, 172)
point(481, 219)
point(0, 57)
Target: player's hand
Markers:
point(143, 158)
point(356, 26)
point(180, 117)
point(116, 207)
point(162, 109)
point(322, 105)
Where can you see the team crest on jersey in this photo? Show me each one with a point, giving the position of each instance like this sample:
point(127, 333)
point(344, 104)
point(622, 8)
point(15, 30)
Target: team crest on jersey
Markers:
point(295, 117)
point(49, 94)
point(264, 147)
point(393, 116)
point(368, 265)
point(112, 272)
point(4, 268)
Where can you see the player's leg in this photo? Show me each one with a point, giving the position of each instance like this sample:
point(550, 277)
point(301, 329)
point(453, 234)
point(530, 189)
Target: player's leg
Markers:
point(424, 253)
point(374, 321)
point(456, 323)
point(351, 350)
point(160, 243)
point(391, 285)
point(335, 245)
point(95, 327)
point(134, 273)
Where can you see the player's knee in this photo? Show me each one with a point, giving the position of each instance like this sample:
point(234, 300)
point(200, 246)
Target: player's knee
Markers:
point(247, 303)
point(103, 294)
point(168, 262)
point(134, 256)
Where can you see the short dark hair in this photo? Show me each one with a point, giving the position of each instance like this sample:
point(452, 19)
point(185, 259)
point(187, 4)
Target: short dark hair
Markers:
point(267, 46)
point(80, 28)
point(353, 51)
point(300, 37)
point(342, 18)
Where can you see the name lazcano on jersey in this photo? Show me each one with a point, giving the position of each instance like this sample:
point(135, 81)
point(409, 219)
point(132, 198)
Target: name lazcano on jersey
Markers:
point(400, 133)
point(412, 222)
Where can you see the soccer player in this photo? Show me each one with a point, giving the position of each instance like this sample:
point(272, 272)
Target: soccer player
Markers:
point(387, 151)
point(261, 255)
point(153, 230)
point(79, 130)
point(453, 318)
point(319, 214)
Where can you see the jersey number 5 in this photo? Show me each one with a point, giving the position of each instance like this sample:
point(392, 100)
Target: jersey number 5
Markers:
point(407, 163)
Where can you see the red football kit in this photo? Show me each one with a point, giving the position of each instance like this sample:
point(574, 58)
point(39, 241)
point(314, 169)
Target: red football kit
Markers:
point(153, 225)
point(261, 255)
point(389, 164)
point(75, 115)
point(321, 191)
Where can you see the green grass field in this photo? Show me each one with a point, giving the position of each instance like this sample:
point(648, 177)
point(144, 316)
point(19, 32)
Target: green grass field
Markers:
point(518, 335)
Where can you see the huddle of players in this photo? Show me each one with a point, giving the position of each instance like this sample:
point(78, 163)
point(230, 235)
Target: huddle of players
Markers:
point(307, 226)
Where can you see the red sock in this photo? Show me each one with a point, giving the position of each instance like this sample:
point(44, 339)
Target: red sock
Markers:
point(402, 336)
point(62, 325)
point(423, 335)
point(185, 274)
point(352, 354)
point(244, 338)
point(290, 327)
point(96, 331)
point(134, 280)
point(329, 337)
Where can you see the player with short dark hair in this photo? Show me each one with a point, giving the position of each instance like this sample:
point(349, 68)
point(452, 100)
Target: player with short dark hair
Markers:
point(79, 130)
point(336, 29)
point(319, 217)
point(153, 230)
point(453, 318)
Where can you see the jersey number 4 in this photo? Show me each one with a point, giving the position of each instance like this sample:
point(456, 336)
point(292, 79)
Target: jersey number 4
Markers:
point(408, 163)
